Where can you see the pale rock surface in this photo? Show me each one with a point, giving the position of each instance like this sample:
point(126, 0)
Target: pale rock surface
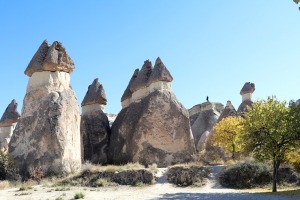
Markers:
point(7, 124)
point(94, 127)
point(202, 118)
point(48, 132)
point(154, 129)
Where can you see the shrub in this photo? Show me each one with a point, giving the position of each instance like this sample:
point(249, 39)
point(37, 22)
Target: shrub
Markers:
point(79, 195)
point(187, 175)
point(8, 168)
point(36, 174)
point(245, 175)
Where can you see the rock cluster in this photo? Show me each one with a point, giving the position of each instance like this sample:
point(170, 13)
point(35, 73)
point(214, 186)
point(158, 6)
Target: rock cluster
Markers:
point(152, 127)
point(48, 132)
point(202, 118)
point(94, 127)
point(246, 93)
point(7, 124)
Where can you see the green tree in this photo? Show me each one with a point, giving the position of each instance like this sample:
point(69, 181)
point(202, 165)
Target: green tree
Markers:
point(271, 130)
point(227, 134)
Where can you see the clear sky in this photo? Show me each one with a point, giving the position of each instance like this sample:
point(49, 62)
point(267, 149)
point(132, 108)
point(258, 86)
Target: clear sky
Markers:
point(211, 48)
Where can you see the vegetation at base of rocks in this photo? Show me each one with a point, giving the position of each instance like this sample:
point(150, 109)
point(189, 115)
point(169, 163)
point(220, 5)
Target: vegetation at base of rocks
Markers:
point(293, 158)
point(59, 198)
point(251, 174)
point(101, 176)
point(8, 168)
point(79, 195)
point(25, 187)
point(245, 175)
point(228, 134)
point(36, 174)
point(62, 189)
point(188, 174)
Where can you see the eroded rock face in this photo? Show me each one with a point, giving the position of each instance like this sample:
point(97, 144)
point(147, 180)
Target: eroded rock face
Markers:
point(7, 124)
point(50, 58)
point(153, 127)
point(155, 130)
point(94, 128)
point(202, 118)
point(48, 132)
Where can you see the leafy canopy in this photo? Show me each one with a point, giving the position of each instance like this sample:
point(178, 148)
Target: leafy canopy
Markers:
point(228, 133)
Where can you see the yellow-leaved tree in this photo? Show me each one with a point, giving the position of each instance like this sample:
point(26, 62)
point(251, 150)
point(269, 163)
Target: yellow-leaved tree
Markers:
point(227, 135)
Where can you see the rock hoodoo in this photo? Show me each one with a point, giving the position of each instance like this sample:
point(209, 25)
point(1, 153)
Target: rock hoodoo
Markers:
point(202, 118)
point(48, 132)
point(7, 124)
point(94, 128)
point(229, 110)
point(246, 93)
point(152, 127)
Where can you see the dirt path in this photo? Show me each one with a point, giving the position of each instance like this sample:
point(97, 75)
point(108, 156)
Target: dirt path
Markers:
point(161, 190)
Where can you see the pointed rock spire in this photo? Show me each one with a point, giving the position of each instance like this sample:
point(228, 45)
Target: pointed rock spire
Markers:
point(127, 93)
point(229, 110)
point(247, 88)
point(142, 79)
point(160, 73)
point(11, 114)
point(95, 94)
point(50, 58)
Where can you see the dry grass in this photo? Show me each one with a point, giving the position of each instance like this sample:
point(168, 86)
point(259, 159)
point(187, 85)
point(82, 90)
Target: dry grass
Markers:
point(4, 185)
point(110, 168)
point(188, 165)
point(284, 190)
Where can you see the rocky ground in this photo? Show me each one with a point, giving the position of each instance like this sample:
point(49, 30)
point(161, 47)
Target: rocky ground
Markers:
point(161, 190)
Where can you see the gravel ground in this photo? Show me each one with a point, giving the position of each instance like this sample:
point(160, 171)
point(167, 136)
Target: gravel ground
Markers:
point(161, 190)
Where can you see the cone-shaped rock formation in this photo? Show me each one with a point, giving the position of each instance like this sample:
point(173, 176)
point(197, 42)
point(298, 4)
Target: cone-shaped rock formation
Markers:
point(94, 128)
point(7, 124)
point(152, 127)
point(229, 110)
point(48, 132)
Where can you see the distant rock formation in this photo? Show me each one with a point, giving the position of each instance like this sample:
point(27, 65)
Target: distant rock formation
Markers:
point(48, 132)
point(246, 93)
point(7, 124)
point(94, 128)
point(229, 110)
point(152, 127)
point(202, 118)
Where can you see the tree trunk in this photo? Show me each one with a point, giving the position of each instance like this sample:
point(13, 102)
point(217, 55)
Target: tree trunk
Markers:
point(276, 164)
point(233, 152)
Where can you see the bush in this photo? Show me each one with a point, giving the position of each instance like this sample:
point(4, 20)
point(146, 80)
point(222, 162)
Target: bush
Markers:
point(79, 195)
point(133, 177)
point(245, 175)
point(8, 169)
point(187, 175)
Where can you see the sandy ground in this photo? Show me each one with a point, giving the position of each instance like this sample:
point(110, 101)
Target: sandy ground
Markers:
point(161, 190)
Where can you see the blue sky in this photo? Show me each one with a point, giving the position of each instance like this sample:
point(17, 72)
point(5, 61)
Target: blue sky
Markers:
point(211, 48)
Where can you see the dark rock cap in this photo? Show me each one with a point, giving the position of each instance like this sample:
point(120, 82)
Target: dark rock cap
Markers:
point(248, 88)
point(160, 73)
point(50, 58)
point(229, 110)
point(127, 93)
point(142, 79)
point(95, 94)
point(11, 114)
